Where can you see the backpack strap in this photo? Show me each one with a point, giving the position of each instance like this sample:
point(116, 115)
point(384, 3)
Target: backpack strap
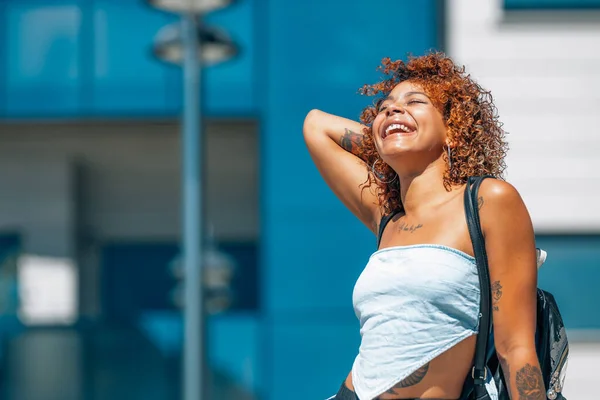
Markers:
point(384, 221)
point(479, 372)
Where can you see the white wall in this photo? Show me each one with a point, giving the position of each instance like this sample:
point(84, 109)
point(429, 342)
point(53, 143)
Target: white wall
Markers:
point(129, 179)
point(543, 69)
point(581, 381)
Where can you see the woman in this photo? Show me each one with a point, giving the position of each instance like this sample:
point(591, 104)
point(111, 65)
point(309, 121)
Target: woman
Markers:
point(402, 172)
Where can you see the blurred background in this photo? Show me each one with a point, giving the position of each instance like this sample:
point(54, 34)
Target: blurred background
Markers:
point(91, 196)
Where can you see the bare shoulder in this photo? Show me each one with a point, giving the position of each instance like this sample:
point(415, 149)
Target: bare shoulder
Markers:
point(498, 194)
point(501, 205)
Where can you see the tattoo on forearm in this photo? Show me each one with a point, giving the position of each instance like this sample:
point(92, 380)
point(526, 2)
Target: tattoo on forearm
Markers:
point(506, 372)
point(480, 202)
point(530, 384)
point(403, 226)
point(411, 380)
point(351, 141)
point(496, 294)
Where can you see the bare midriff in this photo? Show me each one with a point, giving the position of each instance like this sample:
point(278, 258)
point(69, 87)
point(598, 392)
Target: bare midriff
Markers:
point(443, 379)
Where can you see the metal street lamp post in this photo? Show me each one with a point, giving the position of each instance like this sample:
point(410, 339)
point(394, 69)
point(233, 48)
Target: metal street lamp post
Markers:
point(192, 45)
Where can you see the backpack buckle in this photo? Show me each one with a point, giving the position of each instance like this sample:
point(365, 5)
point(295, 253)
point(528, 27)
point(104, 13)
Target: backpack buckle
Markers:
point(484, 377)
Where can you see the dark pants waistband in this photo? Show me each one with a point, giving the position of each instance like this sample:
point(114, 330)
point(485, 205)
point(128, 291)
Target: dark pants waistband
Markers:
point(346, 394)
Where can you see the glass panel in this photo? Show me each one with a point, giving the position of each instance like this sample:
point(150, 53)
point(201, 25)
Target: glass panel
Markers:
point(229, 86)
point(127, 77)
point(571, 273)
point(43, 65)
point(551, 4)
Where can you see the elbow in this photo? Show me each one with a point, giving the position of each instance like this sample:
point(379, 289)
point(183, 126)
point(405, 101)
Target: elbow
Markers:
point(508, 351)
point(311, 123)
point(312, 116)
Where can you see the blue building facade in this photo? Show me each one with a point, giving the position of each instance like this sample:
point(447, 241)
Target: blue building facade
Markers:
point(318, 55)
point(91, 59)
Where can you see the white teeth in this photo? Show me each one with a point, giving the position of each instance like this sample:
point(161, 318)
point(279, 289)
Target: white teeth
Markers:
point(397, 126)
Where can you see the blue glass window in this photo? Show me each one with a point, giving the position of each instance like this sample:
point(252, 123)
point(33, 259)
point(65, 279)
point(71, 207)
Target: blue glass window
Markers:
point(572, 273)
point(127, 78)
point(43, 72)
point(550, 4)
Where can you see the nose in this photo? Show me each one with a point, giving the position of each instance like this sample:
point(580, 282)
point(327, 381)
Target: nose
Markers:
point(394, 109)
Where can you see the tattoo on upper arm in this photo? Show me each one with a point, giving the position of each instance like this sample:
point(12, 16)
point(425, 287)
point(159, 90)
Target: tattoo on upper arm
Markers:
point(403, 226)
point(411, 380)
point(480, 202)
point(496, 294)
point(530, 384)
point(351, 141)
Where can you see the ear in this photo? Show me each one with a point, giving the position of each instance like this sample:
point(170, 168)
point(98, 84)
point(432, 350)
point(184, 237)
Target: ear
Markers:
point(449, 143)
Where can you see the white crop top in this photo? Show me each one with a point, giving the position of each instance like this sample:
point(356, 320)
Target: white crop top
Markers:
point(413, 304)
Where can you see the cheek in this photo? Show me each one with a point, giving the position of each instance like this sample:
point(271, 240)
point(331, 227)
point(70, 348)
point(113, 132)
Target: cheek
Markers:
point(433, 122)
point(440, 126)
point(377, 122)
point(438, 119)
point(375, 128)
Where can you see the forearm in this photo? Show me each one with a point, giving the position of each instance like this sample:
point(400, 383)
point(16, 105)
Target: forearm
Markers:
point(346, 133)
point(522, 374)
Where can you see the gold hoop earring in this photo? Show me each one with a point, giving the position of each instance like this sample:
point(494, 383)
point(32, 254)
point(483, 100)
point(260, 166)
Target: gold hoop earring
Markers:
point(378, 177)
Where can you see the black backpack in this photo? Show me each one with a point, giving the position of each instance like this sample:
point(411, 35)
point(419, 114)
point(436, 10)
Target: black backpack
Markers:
point(552, 346)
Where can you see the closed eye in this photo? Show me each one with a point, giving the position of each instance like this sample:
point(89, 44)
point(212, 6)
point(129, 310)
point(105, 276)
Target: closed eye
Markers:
point(380, 106)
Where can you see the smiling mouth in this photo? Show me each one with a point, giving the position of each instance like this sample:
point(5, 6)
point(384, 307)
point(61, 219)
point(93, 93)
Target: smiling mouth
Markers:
point(398, 129)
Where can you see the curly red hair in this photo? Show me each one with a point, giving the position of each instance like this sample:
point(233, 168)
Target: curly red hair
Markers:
point(471, 119)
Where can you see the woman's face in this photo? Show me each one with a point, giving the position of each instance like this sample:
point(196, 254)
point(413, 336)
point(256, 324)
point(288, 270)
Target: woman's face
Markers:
point(407, 121)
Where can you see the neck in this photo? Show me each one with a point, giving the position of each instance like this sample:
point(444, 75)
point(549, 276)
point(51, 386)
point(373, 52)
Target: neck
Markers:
point(423, 188)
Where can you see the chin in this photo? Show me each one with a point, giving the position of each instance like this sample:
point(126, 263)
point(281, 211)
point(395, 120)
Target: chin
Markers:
point(395, 148)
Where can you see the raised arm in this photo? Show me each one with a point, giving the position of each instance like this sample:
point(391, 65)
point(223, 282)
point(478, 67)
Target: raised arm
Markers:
point(510, 246)
point(332, 142)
